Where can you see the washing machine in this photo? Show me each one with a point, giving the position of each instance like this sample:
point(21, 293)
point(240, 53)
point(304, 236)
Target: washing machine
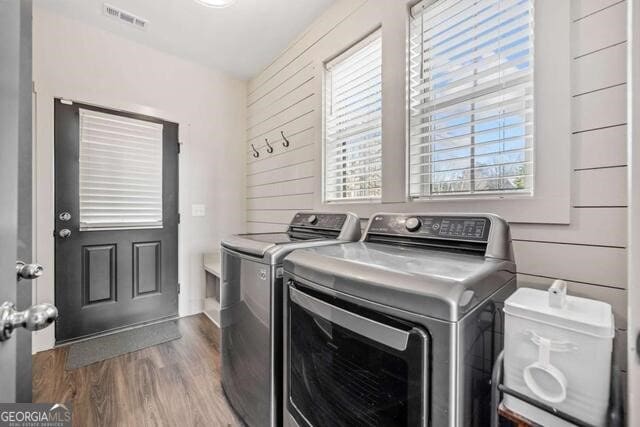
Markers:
point(251, 309)
point(398, 329)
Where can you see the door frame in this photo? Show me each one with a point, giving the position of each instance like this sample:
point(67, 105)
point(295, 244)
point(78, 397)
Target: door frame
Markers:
point(44, 190)
point(633, 178)
point(16, 187)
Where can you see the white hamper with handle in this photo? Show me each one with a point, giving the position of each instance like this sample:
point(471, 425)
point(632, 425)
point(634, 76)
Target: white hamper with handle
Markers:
point(557, 350)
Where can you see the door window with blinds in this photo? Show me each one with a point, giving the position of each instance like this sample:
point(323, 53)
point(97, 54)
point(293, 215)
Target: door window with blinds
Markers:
point(120, 172)
point(353, 123)
point(471, 98)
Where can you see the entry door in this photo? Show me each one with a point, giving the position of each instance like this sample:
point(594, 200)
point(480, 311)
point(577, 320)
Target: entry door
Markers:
point(116, 217)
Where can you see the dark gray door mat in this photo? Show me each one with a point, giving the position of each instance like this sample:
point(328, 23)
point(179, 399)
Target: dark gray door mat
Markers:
point(94, 350)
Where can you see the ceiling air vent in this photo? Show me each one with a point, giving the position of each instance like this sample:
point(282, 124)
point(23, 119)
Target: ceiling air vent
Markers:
point(124, 16)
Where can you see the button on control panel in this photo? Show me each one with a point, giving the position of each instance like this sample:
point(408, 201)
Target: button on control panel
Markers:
point(465, 228)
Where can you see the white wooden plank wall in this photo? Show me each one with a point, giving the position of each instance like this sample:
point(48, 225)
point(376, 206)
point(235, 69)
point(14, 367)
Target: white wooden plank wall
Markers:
point(590, 252)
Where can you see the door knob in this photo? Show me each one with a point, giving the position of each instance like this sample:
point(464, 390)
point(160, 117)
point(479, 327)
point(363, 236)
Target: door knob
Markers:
point(64, 233)
point(34, 318)
point(28, 271)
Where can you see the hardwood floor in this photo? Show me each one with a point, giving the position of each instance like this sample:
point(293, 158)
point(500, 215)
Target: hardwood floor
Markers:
point(172, 384)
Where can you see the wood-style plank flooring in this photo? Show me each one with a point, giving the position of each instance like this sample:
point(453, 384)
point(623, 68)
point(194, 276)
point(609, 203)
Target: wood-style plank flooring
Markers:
point(172, 384)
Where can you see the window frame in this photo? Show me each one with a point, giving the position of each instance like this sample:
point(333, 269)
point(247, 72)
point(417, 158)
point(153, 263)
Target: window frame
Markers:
point(471, 194)
point(352, 49)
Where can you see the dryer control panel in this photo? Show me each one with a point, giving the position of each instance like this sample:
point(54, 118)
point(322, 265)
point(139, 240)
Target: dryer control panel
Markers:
point(324, 221)
point(463, 228)
point(478, 234)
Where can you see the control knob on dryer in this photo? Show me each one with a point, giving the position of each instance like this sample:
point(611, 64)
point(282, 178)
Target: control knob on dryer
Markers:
point(413, 224)
point(312, 219)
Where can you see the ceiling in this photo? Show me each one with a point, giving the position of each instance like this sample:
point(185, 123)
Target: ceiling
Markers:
point(241, 39)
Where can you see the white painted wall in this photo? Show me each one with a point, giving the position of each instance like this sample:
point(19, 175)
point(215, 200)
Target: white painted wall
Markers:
point(589, 252)
point(83, 63)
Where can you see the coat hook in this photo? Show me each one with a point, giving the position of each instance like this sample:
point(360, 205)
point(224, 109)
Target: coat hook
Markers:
point(285, 141)
point(256, 153)
point(269, 147)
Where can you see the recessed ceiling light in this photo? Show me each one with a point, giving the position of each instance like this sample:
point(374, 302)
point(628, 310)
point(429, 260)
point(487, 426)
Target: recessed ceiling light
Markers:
point(219, 4)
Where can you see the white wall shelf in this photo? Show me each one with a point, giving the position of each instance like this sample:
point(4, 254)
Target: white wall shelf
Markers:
point(212, 264)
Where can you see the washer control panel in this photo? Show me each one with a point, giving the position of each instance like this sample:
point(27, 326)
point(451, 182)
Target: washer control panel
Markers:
point(467, 228)
point(318, 220)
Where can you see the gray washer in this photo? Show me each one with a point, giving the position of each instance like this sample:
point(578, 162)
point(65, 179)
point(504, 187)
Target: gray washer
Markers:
point(250, 309)
point(437, 279)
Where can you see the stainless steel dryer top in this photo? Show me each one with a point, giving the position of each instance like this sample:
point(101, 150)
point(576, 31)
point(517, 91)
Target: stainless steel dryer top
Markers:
point(306, 229)
point(436, 265)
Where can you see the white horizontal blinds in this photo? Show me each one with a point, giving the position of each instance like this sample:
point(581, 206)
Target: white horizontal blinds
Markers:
point(353, 123)
point(471, 97)
point(120, 172)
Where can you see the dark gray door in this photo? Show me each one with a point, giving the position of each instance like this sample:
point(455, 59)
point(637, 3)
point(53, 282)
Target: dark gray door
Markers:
point(116, 265)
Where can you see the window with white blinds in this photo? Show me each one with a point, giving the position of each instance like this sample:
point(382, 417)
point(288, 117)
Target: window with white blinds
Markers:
point(353, 123)
point(471, 98)
point(120, 172)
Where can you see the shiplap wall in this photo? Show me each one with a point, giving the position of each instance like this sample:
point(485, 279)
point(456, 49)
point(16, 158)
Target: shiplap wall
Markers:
point(590, 253)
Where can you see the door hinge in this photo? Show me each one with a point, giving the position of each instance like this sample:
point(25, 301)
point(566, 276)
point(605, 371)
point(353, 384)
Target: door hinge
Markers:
point(179, 218)
point(178, 148)
point(178, 288)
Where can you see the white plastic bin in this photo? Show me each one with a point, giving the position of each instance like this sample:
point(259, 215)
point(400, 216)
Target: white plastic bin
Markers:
point(558, 351)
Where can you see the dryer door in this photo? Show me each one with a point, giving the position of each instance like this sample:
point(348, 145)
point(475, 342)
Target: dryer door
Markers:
point(349, 366)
